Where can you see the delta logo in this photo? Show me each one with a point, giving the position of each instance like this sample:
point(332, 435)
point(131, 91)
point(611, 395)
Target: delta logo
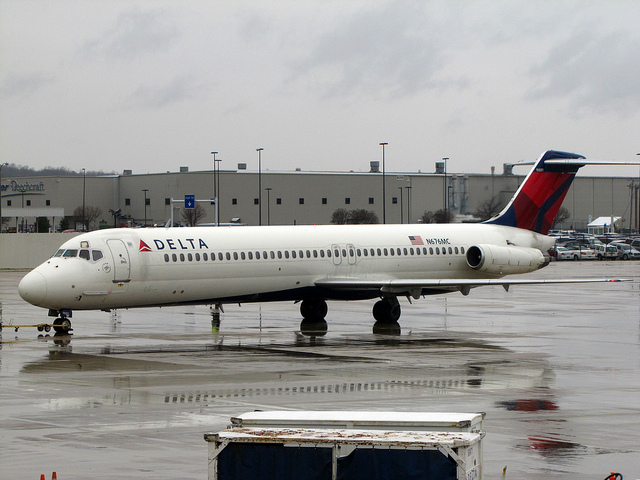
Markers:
point(144, 247)
point(174, 244)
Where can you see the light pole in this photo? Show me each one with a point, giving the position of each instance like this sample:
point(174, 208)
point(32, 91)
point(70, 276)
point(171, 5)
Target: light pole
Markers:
point(268, 189)
point(384, 187)
point(145, 190)
point(216, 186)
point(408, 204)
point(444, 188)
point(401, 204)
point(84, 190)
point(1, 165)
point(259, 150)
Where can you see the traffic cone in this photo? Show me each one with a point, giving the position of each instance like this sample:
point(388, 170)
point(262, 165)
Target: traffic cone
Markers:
point(42, 476)
point(54, 476)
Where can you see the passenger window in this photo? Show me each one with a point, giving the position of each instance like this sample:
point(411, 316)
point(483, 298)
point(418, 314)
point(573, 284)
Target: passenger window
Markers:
point(321, 253)
point(205, 256)
point(366, 252)
point(279, 254)
point(462, 250)
point(386, 252)
point(220, 257)
point(97, 255)
point(85, 254)
point(243, 256)
point(315, 254)
point(182, 257)
point(273, 255)
point(456, 249)
point(379, 252)
point(258, 255)
point(407, 253)
point(308, 254)
point(430, 251)
point(373, 252)
point(293, 253)
point(59, 253)
point(228, 256)
point(392, 252)
point(250, 255)
point(344, 252)
point(197, 257)
point(450, 251)
point(70, 253)
point(437, 250)
point(329, 252)
point(336, 252)
point(235, 255)
point(174, 257)
point(166, 257)
point(190, 257)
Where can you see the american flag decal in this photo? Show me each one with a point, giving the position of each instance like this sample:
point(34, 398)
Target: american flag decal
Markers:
point(416, 240)
point(144, 247)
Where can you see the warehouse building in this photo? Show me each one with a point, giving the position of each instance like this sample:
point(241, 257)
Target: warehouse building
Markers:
point(293, 197)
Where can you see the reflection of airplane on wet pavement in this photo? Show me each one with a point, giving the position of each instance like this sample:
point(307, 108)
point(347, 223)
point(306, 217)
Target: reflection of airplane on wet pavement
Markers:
point(122, 268)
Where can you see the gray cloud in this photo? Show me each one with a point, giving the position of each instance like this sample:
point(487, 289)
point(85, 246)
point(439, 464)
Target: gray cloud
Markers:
point(398, 48)
point(23, 86)
point(177, 90)
point(597, 74)
point(135, 33)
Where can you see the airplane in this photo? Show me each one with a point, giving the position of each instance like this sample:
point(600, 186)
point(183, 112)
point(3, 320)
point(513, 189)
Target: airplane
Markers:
point(144, 267)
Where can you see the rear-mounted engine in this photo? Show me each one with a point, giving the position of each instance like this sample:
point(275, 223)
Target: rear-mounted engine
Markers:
point(505, 260)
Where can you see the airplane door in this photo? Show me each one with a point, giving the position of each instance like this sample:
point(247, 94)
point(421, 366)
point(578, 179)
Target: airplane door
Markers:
point(121, 261)
point(337, 259)
point(351, 253)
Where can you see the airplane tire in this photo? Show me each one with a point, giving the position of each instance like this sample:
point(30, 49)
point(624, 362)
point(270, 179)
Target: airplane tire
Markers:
point(313, 309)
point(63, 325)
point(385, 311)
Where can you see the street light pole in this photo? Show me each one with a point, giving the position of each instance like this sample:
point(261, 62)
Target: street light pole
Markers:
point(84, 184)
point(145, 190)
point(216, 187)
point(384, 187)
point(444, 188)
point(401, 207)
point(268, 189)
point(1, 165)
point(259, 150)
point(408, 204)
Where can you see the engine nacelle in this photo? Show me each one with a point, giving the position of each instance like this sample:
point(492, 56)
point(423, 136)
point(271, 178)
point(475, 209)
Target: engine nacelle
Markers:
point(505, 260)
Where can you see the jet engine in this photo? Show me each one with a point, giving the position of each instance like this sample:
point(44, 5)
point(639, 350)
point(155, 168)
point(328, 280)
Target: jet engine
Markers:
point(505, 260)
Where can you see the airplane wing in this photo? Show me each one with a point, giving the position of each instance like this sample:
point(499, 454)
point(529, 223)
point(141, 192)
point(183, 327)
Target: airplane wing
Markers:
point(414, 287)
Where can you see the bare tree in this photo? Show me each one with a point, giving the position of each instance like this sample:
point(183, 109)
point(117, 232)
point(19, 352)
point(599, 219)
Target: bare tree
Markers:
point(489, 208)
point(193, 215)
point(357, 216)
point(439, 216)
point(90, 214)
point(563, 214)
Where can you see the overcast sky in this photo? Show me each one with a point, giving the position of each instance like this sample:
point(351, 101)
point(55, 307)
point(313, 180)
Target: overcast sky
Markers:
point(154, 85)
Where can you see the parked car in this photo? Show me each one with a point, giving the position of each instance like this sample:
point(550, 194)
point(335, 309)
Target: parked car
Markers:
point(606, 252)
point(573, 253)
point(626, 251)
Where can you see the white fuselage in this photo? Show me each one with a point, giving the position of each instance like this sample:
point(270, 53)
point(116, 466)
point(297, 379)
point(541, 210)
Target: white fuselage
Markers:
point(208, 265)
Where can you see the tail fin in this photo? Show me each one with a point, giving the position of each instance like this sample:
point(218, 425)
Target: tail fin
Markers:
point(537, 201)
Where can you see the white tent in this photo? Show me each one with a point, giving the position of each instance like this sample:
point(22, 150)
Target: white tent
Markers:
point(602, 225)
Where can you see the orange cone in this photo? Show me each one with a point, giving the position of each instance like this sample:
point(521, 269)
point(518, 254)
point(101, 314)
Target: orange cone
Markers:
point(54, 476)
point(42, 476)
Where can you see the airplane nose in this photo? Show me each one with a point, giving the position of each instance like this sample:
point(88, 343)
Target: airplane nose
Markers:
point(33, 288)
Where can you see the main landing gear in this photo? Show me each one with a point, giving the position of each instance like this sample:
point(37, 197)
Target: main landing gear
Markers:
point(386, 312)
point(313, 311)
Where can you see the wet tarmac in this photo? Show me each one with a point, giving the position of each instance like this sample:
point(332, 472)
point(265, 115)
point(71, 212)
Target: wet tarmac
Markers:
point(556, 369)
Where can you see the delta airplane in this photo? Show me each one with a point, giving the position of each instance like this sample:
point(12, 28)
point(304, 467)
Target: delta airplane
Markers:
point(124, 268)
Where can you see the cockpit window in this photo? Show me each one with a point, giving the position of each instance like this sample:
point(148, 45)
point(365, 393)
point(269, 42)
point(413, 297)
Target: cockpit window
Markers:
point(59, 253)
point(85, 254)
point(97, 255)
point(70, 253)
